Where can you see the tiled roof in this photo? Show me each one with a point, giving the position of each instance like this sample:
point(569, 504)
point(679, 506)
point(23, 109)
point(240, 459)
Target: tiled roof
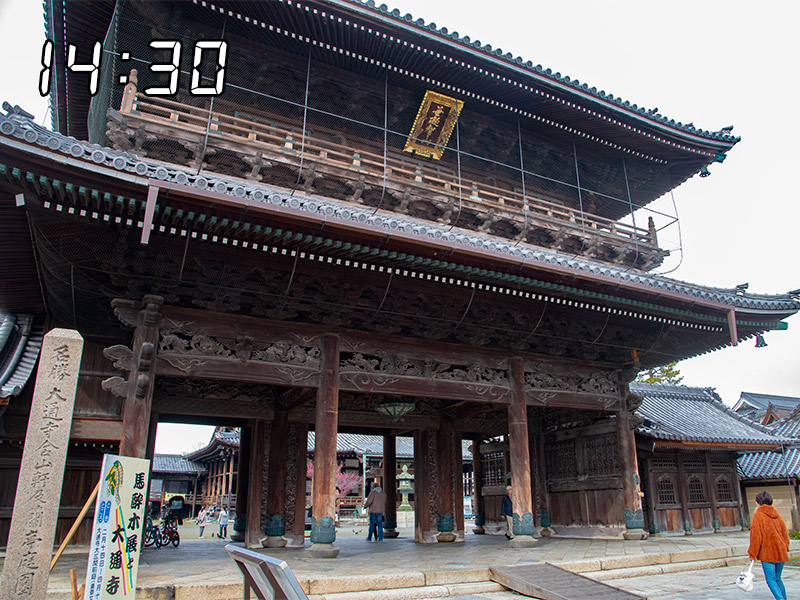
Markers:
point(769, 465)
point(373, 444)
point(175, 463)
point(788, 426)
point(681, 413)
point(20, 343)
point(131, 167)
point(537, 71)
point(762, 401)
point(231, 436)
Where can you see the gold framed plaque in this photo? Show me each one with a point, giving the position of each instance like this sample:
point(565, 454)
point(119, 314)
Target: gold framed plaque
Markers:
point(436, 118)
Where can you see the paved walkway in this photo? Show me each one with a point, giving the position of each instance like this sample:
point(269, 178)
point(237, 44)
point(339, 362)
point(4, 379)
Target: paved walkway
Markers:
point(202, 563)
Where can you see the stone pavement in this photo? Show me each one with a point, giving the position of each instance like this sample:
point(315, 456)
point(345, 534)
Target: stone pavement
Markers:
point(201, 569)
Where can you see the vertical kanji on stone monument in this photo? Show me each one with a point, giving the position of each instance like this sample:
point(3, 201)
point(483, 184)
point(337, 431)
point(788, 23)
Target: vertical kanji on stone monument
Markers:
point(33, 521)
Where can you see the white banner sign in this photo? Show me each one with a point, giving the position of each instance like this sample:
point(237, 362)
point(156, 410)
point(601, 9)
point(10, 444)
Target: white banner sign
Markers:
point(118, 532)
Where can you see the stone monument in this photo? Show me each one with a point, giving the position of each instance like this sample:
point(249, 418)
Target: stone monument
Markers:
point(26, 568)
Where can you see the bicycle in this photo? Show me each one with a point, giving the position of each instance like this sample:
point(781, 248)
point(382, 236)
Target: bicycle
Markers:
point(169, 532)
point(152, 536)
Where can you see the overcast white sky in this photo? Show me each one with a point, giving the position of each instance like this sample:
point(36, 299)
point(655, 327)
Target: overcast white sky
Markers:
point(713, 63)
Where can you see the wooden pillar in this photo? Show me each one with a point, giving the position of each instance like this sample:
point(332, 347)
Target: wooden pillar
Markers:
point(744, 514)
point(422, 524)
point(323, 532)
point(477, 488)
point(194, 494)
point(534, 433)
point(457, 461)
point(520, 457)
point(626, 444)
point(545, 519)
point(390, 485)
point(242, 484)
point(652, 491)
point(253, 534)
point(276, 492)
point(150, 453)
point(712, 494)
point(297, 538)
point(683, 493)
point(141, 378)
point(444, 449)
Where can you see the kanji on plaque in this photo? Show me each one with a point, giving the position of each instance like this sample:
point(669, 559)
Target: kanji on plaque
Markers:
point(118, 523)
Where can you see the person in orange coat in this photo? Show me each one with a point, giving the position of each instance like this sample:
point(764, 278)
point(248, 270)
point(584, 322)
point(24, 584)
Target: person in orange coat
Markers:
point(769, 543)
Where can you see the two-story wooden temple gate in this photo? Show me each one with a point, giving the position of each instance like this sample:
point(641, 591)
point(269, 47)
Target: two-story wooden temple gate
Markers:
point(299, 375)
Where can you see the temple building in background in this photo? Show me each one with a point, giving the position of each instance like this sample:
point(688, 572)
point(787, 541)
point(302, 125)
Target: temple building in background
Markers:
point(362, 223)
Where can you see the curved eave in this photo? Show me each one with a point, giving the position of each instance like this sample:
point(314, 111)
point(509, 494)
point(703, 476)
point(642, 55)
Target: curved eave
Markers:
point(674, 442)
point(543, 77)
point(119, 170)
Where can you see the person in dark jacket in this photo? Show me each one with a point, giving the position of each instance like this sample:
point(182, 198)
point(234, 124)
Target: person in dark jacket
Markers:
point(376, 502)
point(769, 543)
point(507, 511)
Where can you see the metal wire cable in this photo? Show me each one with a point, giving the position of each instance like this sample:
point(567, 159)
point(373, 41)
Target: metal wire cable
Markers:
point(385, 136)
point(522, 172)
point(458, 162)
point(305, 123)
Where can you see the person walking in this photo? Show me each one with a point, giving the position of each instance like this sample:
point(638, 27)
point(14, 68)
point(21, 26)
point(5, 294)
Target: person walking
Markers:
point(376, 502)
point(769, 543)
point(507, 511)
point(223, 523)
point(202, 517)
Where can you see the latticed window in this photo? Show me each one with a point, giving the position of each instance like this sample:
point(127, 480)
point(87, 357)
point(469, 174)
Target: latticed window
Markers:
point(562, 461)
point(664, 463)
point(601, 456)
point(493, 469)
point(697, 491)
point(694, 464)
point(724, 493)
point(666, 491)
point(720, 464)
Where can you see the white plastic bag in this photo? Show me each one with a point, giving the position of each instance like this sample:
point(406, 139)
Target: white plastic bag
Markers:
point(745, 579)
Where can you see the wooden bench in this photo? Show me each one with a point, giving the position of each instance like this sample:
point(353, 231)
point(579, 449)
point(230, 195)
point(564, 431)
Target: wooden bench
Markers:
point(269, 578)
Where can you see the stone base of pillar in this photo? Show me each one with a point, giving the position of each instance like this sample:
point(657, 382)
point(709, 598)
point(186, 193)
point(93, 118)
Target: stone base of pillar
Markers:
point(390, 533)
point(635, 534)
point(479, 530)
point(446, 536)
point(546, 532)
point(237, 536)
point(522, 541)
point(274, 541)
point(294, 540)
point(256, 545)
point(318, 550)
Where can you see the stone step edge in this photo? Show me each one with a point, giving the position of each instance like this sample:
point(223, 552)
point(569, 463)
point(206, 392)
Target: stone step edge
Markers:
point(677, 567)
point(392, 581)
point(650, 558)
point(432, 591)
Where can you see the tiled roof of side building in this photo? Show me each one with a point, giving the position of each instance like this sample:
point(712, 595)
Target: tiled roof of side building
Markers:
point(20, 343)
point(681, 413)
point(762, 401)
point(788, 426)
point(769, 465)
point(175, 463)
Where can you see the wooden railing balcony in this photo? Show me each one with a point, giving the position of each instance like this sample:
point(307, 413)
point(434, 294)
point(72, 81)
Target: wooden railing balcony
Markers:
point(184, 134)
